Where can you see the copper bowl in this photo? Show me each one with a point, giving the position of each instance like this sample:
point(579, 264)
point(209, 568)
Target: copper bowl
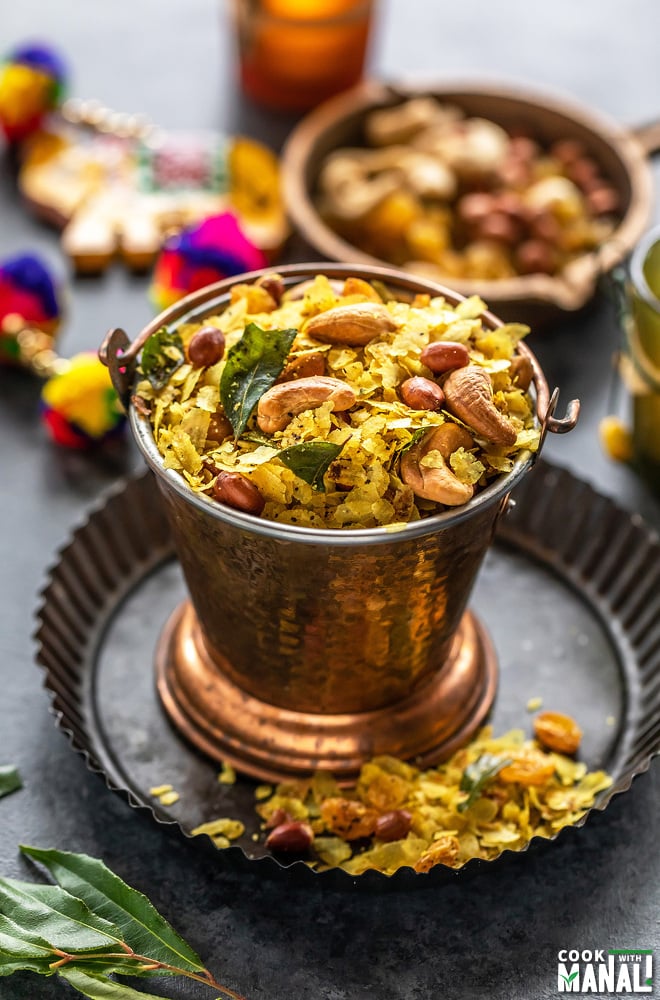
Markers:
point(305, 648)
point(535, 298)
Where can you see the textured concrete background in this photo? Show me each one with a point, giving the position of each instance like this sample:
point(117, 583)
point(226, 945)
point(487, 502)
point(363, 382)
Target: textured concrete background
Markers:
point(495, 936)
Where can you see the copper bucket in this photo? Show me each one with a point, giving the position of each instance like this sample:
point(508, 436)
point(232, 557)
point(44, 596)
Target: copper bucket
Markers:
point(303, 648)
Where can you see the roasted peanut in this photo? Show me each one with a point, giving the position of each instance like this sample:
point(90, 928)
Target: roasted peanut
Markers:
point(582, 172)
point(280, 404)
point(567, 151)
point(421, 394)
point(521, 372)
point(355, 324)
point(219, 427)
point(523, 148)
point(234, 490)
point(474, 207)
point(545, 227)
point(393, 825)
point(290, 838)
point(206, 347)
point(603, 200)
point(305, 366)
point(348, 818)
point(557, 732)
point(535, 257)
point(469, 396)
point(273, 284)
point(444, 355)
point(277, 817)
point(498, 227)
point(432, 483)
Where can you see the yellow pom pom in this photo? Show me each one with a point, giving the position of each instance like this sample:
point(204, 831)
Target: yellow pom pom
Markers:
point(616, 439)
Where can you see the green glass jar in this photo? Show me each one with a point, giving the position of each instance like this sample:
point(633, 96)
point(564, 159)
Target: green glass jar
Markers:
point(643, 355)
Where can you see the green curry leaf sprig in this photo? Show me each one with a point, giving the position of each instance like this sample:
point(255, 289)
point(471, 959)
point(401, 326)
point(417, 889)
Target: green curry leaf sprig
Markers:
point(90, 927)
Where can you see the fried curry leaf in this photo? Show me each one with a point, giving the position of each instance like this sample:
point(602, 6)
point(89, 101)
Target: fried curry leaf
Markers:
point(10, 780)
point(162, 354)
point(477, 775)
point(251, 368)
point(415, 439)
point(310, 461)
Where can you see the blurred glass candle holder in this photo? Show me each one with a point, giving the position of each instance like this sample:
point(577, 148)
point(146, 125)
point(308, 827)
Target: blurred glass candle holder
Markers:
point(293, 54)
point(642, 361)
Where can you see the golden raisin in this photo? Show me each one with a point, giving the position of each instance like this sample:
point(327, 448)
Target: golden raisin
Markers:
point(358, 286)
point(528, 769)
point(557, 732)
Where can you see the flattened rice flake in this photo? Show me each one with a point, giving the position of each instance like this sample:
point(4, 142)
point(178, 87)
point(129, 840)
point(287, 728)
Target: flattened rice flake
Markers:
point(361, 487)
point(506, 815)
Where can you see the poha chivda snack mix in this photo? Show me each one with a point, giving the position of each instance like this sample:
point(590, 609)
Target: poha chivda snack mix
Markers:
point(335, 405)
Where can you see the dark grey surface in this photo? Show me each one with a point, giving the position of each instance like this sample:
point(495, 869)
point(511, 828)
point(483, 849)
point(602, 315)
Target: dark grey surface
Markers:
point(496, 936)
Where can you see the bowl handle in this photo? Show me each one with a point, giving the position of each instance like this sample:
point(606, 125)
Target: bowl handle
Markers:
point(648, 136)
point(546, 404)
point(119, 355)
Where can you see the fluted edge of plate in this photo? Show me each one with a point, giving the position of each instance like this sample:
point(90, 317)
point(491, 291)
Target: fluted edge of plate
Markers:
point(610, 555)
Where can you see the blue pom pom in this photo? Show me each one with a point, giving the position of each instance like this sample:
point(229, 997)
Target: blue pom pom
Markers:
point(27, 272)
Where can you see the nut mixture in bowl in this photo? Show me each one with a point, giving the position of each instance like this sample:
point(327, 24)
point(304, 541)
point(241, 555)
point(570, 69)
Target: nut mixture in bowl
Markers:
point(333, 404)
point(459, 197)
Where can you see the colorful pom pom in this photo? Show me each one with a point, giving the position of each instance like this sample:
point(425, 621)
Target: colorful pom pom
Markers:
point(79, 407)
point(29, 296)
point(32, 82)
point(201, 254)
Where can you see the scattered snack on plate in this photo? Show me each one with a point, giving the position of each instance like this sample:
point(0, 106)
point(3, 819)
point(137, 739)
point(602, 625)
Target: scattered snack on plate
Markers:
point(118, 196)
point(451, 196)
point(494, 794)
point(332, 404)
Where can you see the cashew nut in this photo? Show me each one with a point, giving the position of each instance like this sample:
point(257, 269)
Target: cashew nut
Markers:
point(354, 181)
point(434, 483)
point(473, 148)
point(447, 438)
point(469, 396)
point(427, 176)
point(521, 372)
point(280, 404)
point(402, 122)
point(350, 191)
point(355, 324)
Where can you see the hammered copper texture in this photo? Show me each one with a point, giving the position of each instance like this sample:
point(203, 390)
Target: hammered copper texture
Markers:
point(327, 628)
point(274, 744)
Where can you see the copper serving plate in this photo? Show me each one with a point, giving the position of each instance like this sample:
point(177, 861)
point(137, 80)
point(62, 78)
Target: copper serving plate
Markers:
point(570, 593)
point(536, 298)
